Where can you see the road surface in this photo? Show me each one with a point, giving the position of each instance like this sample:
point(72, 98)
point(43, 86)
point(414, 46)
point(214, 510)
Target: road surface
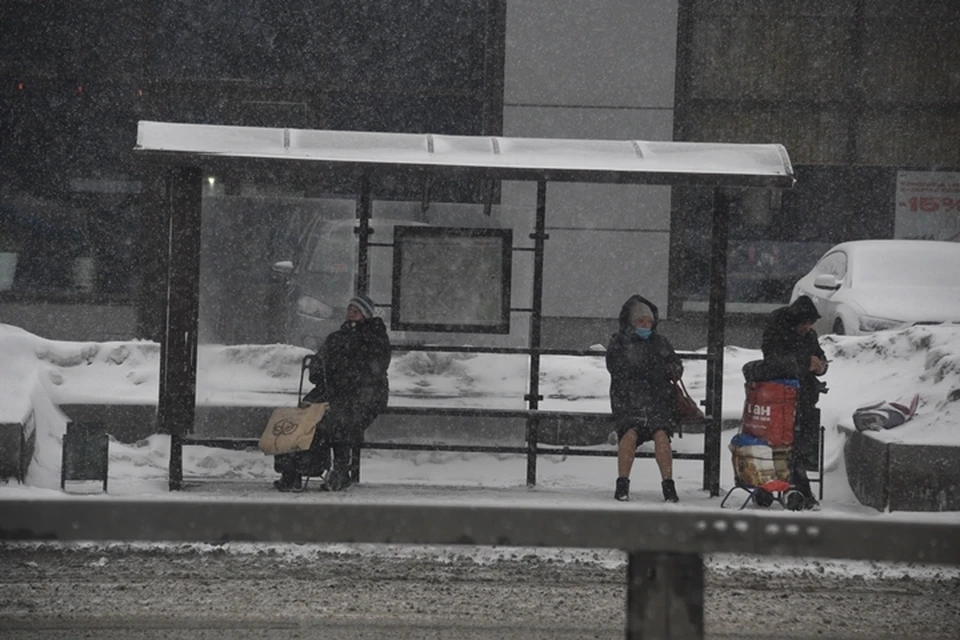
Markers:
point(220, 593)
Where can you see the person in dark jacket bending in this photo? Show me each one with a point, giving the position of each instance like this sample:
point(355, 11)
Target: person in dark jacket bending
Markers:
point(350, 372)
point(790, 345)
point(643, 367)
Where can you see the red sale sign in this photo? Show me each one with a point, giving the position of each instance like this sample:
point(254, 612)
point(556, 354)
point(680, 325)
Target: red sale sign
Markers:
point(928, 205)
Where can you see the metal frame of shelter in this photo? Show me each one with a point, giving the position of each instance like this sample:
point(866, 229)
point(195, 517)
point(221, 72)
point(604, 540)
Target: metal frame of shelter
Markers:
point(178, 156)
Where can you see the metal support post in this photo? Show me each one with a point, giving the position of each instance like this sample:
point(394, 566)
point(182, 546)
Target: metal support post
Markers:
point(823, 434)
point(664, 596)
point(176, 462)
point(533, 398)
point(715, 341)
point(364, 212)
point(178, 348)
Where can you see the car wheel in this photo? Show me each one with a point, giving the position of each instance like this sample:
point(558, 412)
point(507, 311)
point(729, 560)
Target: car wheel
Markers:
point(838, 327)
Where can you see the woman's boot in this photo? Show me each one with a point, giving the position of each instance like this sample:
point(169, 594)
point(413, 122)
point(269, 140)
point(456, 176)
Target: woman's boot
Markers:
point(289, 481)
point(339, 477)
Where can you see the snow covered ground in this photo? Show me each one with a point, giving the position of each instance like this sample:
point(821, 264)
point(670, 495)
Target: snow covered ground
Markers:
point(43, 374)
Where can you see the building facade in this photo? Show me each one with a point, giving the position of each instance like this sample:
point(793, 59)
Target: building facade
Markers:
point(864, 94)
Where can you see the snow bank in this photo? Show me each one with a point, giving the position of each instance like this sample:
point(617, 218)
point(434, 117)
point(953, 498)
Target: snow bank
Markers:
point(43, 374)
point(18, 373)
point(893, 366)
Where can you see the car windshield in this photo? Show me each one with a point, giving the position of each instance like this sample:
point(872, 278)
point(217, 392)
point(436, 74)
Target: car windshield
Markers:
point(908, 266)
point(334, 251)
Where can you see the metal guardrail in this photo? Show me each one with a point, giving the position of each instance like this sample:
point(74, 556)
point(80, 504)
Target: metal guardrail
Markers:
point(631, 528)
point(665, 546)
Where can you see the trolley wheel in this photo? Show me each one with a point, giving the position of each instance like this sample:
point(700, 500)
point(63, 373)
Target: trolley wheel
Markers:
point(762, 497)
point(793, 500)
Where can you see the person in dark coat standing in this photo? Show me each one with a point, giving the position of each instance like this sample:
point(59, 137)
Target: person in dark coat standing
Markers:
point(643, 367)
point(791, 345)
point(350, 372)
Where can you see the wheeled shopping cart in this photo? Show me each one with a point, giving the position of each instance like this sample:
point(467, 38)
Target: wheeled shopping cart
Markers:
point(763, 448)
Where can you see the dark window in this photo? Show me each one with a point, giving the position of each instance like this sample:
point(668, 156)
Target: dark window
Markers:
point(83, 246)
point(775, 240)
point(76, 77)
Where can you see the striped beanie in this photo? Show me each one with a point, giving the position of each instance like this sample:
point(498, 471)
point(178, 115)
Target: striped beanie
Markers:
point(364, 305)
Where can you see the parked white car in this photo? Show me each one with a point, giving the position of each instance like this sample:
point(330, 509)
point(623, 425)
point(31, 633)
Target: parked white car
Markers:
point(873, 285)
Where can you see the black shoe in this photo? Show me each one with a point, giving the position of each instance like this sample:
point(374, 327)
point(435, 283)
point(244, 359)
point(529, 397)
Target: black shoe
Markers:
point(288, 482)
point(337, 480)
point(793, 500)
point(622, 492)
point(669, 491)
point(807, 501)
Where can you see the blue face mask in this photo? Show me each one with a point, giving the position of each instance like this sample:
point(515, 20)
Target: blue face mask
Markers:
point(643, 333)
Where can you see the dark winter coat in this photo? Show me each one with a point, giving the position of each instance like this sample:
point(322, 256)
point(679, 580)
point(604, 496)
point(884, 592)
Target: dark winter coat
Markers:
point(786, 350)
point(350, 372)
point(642, 372)
point(784, 347)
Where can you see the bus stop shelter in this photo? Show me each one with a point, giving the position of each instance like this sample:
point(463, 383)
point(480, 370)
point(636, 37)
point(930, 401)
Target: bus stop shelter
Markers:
point(177, 157)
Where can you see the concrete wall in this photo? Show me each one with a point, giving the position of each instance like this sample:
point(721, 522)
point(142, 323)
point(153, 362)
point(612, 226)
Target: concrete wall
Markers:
point(17, 443)
point(605, 70)
point(867, 462)
point(11, 445)
point(902, 476)
point(129, 423)
point(61, 321)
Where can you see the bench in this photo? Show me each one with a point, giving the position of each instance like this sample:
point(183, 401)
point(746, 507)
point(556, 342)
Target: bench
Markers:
point(548, 432)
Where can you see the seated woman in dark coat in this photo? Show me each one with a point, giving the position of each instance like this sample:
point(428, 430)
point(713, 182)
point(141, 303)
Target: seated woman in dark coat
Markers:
point(350, 372)
point(643, 367)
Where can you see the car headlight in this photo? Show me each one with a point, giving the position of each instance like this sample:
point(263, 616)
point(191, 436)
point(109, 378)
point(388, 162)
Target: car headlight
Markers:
point(872, 323)
point(314, 308)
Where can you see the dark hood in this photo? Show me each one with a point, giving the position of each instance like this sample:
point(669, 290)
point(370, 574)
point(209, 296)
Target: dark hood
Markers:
point(803, 310)
point(625, 326)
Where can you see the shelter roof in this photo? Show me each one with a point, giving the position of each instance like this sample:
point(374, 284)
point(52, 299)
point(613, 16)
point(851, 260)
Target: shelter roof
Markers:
point(572, 160)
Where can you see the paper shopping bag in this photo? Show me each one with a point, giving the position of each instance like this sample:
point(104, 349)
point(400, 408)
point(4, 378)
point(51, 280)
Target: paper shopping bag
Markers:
point(291, 429)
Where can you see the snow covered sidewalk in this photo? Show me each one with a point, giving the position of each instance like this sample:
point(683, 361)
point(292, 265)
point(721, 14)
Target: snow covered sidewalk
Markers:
point(42, 374)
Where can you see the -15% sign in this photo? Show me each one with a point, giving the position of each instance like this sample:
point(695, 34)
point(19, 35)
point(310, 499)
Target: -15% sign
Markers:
point(932, 204)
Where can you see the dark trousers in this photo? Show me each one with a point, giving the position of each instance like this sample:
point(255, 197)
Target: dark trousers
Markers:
point(806, 437)
point(806, 446)
point(344, 425)
point(340, 430)
point(346, 420)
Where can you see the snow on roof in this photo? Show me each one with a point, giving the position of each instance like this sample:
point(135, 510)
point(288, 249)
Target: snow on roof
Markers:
point(499, 157)
point(942, 248)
